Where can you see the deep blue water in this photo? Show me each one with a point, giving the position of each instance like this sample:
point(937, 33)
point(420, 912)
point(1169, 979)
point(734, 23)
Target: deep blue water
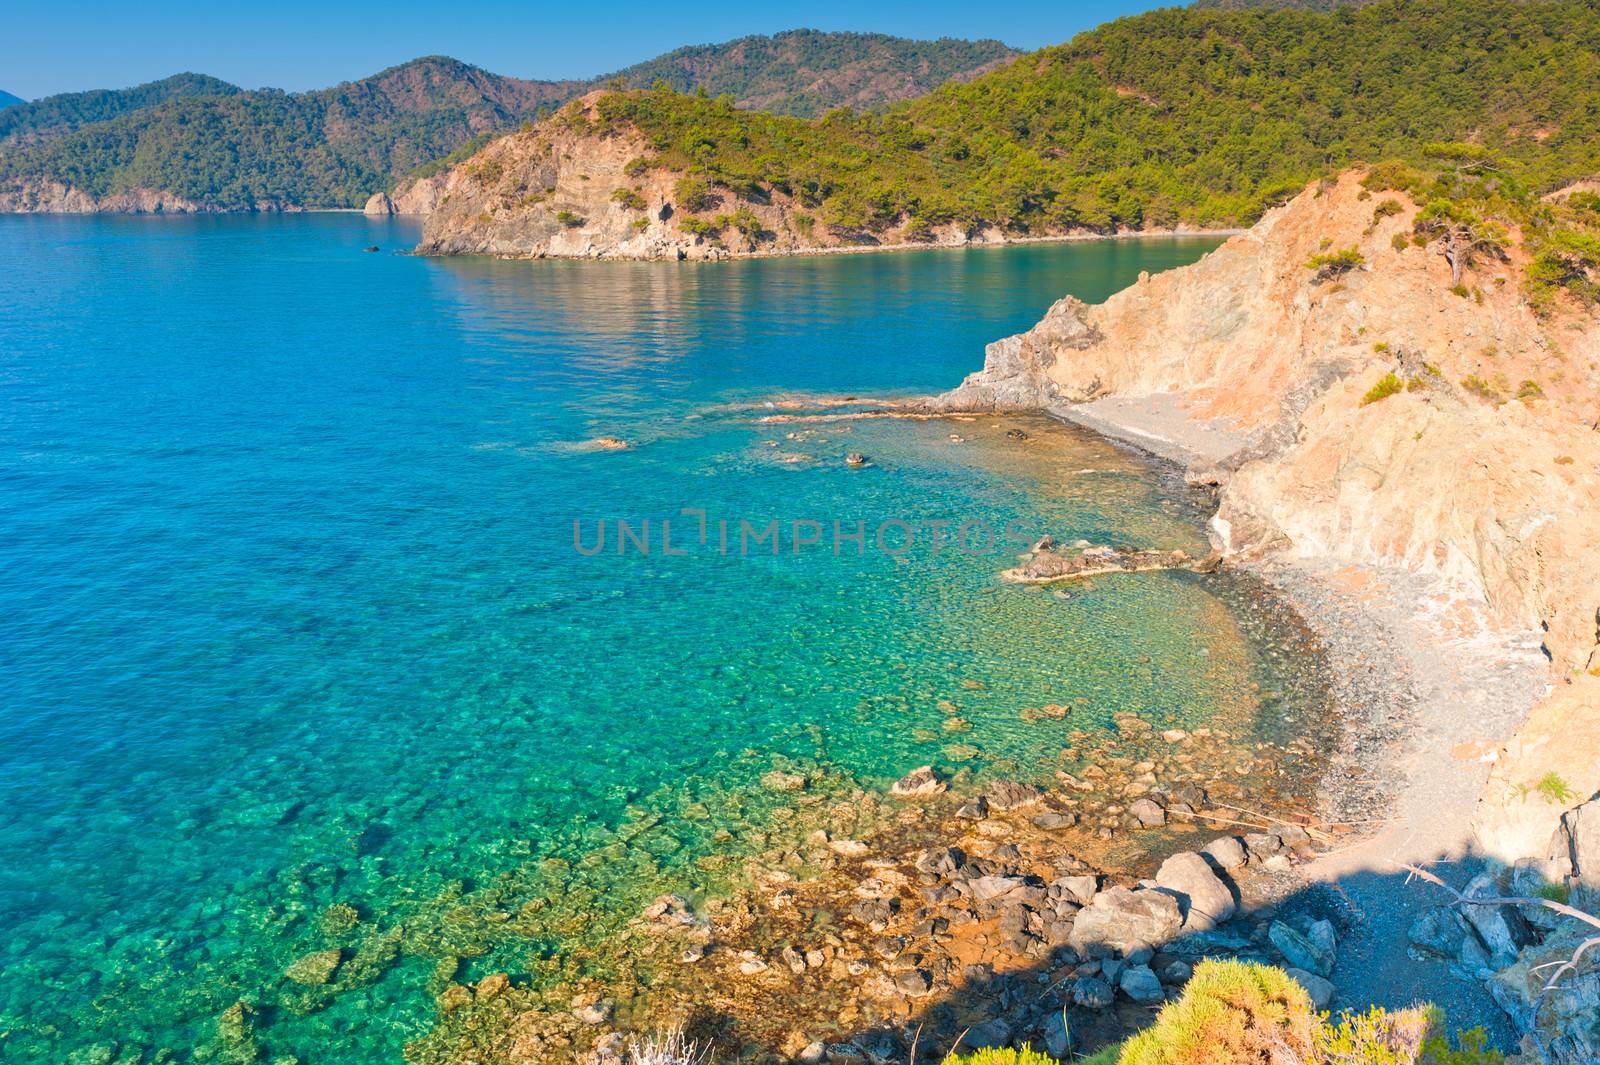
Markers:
point(291, 615)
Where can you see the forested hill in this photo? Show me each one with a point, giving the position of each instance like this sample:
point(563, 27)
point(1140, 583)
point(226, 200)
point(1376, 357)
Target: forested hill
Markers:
point(1180, 114)
point(62, 114)
point(807, 72)
point(9, 100)
point(208, 142)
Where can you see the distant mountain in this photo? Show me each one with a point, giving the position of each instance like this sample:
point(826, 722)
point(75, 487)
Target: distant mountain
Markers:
point(807, 72)
point(54, 115)
point(8, 100)
point(200, 142)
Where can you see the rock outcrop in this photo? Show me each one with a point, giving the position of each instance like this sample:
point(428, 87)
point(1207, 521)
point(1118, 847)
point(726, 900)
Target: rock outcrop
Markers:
point(54, 197)
point(1476, 463)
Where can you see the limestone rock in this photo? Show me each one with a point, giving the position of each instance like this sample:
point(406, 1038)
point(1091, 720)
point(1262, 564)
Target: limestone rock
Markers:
point(1205, 899)
point(1227, 852)
point(1321, 990)
point(1120, 918)
point(920, 782)
point(1300, 951)
point(1501, 928)
point(1008, 795)
point(1140, 984)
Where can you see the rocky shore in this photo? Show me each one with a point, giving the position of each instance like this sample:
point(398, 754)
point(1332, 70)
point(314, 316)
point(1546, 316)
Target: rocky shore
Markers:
point(1443, 515)
point(1057, 915)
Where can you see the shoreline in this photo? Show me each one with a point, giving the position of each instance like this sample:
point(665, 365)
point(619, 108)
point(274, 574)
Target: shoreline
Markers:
point(1420, 683)
point(724, 255)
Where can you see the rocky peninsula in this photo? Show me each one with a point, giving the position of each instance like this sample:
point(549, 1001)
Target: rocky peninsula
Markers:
point(571, 188)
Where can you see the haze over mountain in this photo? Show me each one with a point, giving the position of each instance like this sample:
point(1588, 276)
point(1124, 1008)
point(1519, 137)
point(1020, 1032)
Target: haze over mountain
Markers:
point(196, 141)
point(8, 100)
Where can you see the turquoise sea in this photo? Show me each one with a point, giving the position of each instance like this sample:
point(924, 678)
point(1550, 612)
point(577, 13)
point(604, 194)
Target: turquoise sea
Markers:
point(296, 648)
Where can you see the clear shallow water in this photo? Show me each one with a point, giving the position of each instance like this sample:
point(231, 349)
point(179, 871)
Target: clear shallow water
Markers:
point(291, 614)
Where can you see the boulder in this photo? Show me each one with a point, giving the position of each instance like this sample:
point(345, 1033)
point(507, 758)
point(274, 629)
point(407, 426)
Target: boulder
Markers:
point(378, 205)
point(994, 1033)
point(1205, 899)
point(1300, 951)
point(1139, 983)
point(1121, 919)
point(987, 888)
point(1503, 930)
point(1092, 992)
point(974, 809)
point(1567, 1025)
point(314, 969)
point(1008, 795)
point(1227, 852)
point(1148, 813)
point(1080, 889)
point(1051, 821)
point(1322, 991)
point(1057, 1040)
point(921, 781)
point(1437, 933)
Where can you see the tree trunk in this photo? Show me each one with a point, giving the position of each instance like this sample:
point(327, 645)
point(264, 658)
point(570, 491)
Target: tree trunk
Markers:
point(1452, 255)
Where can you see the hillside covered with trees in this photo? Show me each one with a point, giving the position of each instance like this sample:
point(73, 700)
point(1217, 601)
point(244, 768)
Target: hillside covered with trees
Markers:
point(212, 143)
point(806, 72)
point(1179, 115)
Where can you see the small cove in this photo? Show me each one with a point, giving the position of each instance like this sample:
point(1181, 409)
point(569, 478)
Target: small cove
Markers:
point(298, 653)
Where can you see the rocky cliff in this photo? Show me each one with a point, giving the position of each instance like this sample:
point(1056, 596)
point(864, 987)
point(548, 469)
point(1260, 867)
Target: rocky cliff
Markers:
point(1372, 413)
point(53, 197)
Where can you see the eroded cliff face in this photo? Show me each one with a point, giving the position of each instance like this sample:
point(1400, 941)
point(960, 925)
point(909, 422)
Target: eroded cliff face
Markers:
point(1482, 469)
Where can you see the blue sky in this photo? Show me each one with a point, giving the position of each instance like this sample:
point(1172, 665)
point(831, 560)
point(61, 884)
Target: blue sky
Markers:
point(298, 44)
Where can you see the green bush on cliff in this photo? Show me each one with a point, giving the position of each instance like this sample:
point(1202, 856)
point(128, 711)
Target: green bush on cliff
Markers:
point(1387, 386)
point(1334, 263)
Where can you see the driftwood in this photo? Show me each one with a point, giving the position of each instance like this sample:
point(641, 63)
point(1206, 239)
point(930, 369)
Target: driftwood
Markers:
point(1562, 968)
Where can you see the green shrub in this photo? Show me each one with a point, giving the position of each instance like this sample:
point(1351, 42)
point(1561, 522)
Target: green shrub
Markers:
point(1551, 786)
point(1387, 386)
point(1386, 209)
point(805, 224)
point(1479, 387)
point(568, 219)
point(629, 199)
point(1006, 1056)
point(636, 166)
point(1230, 1012)
point(1471, 1049)
point(1399, 242)
point(1377, 1037)
point(1335, 263)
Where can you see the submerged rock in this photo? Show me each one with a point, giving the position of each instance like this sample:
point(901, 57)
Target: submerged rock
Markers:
point(316, 968)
